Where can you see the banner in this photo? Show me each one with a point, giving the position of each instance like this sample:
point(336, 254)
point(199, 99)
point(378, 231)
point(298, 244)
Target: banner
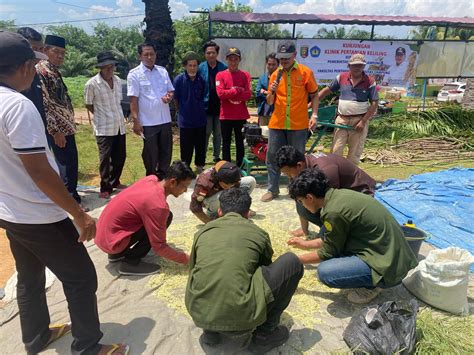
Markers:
point(390, 63)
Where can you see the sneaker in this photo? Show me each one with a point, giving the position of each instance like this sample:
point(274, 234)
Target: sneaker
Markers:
point(141, 269)
point(210, 338)
point(199, 170)
point(104, 194)
point(263, 342)
point(115, 258)
point(363, 295)
point(268, 196)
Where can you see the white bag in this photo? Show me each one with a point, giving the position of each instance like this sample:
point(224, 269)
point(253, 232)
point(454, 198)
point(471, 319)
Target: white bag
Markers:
point(442, 279)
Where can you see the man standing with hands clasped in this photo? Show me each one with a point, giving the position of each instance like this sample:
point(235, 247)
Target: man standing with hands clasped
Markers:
point(290, 87)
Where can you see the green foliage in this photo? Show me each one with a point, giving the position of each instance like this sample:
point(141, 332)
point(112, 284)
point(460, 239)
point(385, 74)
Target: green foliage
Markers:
point(76, 63)
point(75, 87)
point(7, 25)
point(341, 32)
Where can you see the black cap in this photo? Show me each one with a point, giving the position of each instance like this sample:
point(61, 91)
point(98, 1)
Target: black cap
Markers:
point(227, 172)
point(105, 58)
point(15, 49)
point(400, 51)
point(285, 49)
point(233, 51)
point(53, 40)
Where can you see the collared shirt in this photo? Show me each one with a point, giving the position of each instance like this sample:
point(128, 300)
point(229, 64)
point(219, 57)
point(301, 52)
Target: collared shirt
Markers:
point(108, 115)
point(354, 100)
point(150, 86)
point(291, 100)
point(57, 103)
point(190, 96)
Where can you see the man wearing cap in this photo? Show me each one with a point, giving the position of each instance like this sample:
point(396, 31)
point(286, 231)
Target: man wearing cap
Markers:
point(59, 112)
point(151, 90)
point(189, 90)
point(208, 70)
point(396, 73)
point(290, 87)
point(210, 184)
point(102, 96)
point(357, 104)
point(234, 90)
point(33, 206)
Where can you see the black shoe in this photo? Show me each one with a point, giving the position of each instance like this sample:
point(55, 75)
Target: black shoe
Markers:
point(210, 338)
point(113, 258)
point(264, 342)
point(141, 269)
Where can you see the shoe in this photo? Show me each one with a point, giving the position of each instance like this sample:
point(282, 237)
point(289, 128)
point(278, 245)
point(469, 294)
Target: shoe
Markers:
point(263, 342)
point(268, 196)
point(141, 269)
point(363, 295)
point(104, 194)
point(199, 170)
point(115, 258)
point(210, 338)
point(252, 213)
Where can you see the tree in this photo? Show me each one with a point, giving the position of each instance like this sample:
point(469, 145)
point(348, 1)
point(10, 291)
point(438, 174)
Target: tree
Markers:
point(76, 63)
point(159, 31)
point(76, 37)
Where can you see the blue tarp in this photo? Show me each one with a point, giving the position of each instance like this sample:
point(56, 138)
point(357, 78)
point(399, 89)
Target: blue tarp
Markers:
point(440, 203)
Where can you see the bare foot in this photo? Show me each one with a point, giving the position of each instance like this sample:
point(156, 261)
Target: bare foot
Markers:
point(297, 233)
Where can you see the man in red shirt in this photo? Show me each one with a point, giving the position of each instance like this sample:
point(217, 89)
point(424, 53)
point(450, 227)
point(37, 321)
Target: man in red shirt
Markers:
point(136, 220)
point(234, 90)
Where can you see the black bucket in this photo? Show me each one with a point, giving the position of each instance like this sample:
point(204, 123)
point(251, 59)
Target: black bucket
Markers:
point(414, 237)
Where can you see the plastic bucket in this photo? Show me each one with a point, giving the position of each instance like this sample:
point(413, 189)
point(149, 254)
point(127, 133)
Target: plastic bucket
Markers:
point(414, 237)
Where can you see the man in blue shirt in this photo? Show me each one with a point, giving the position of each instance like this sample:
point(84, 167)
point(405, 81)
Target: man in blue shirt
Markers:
point(189, 99)
point(208, 70)
point(265, 110)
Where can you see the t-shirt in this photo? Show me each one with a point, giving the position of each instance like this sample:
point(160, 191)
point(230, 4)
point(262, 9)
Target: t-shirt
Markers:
point(141, 205)
point(22, 132)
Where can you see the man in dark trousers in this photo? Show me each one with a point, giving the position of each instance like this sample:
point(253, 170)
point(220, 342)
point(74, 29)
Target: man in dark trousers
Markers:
point(341, 174)
point(233, 285)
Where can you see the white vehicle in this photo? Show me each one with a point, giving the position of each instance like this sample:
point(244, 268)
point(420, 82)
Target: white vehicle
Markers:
point(451, 92)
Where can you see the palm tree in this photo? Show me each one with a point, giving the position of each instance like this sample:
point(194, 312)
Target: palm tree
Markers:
point(159, 31)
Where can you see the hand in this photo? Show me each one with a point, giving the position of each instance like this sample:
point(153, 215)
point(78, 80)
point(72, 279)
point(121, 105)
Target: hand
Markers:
point(360, 125)
point(297, 242)
point(86, 225)
point(298, 233)
point(137, 128)
point(59, 139)
point(263, 91)
point(274, 87)
point(313, 122)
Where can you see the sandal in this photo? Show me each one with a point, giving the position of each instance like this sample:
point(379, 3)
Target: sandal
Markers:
point(58, 331)
point(114, 349)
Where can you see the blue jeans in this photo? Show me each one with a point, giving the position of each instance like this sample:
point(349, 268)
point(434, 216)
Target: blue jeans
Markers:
point(277, 138)
point(346, 272)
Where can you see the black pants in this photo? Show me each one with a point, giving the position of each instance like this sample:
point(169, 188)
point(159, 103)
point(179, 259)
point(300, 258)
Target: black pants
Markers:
point(190, 140)
point(283, 277)
point(227, 126)
point(157, 149)
point(112, 154)
point(139, 245)
point(68, 164)
point(54, 245)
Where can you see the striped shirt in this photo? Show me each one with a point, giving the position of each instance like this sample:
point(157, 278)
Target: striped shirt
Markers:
point(22, 132)
point(354, 100)
point(108, 115)
point(57, 103)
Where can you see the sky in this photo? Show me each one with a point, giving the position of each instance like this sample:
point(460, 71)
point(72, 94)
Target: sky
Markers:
point(33, 12)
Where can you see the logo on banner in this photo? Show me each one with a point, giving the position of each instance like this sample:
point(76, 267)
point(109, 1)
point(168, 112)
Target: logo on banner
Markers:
point(315, 51)
point(304, 50)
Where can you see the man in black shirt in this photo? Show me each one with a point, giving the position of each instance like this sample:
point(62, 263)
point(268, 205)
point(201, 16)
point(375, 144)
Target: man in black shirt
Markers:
point(208, 70)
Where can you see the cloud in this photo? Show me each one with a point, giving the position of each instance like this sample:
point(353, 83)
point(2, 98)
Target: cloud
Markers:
point(178, 9)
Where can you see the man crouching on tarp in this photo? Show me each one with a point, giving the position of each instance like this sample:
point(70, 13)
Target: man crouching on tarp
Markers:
point(233, 286)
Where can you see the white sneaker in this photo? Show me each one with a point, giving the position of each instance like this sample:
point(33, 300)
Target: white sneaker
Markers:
point(363, 295)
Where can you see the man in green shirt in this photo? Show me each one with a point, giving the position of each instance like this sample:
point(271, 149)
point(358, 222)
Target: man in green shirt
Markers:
point(233, 286)
point(363, 247)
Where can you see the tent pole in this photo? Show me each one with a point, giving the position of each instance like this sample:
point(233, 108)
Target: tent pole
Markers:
point(425, 82)
point(372, 32)
point(294, 31)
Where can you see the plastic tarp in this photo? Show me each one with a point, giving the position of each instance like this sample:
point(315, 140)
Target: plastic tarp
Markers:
point(440, 203)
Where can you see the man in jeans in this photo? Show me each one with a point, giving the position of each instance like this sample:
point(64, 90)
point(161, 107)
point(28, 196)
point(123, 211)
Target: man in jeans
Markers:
point(33, 206)
point(234, 288)
point(363, 247)
point(150, 90)
point(289, 91)
point(208, 71)
point(102, 95)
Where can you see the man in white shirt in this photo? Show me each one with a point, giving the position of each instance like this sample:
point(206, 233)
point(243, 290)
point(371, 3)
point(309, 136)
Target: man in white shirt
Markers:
point(102, 95)
point(33, 206)
point(396, 76)
point(150, 90)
